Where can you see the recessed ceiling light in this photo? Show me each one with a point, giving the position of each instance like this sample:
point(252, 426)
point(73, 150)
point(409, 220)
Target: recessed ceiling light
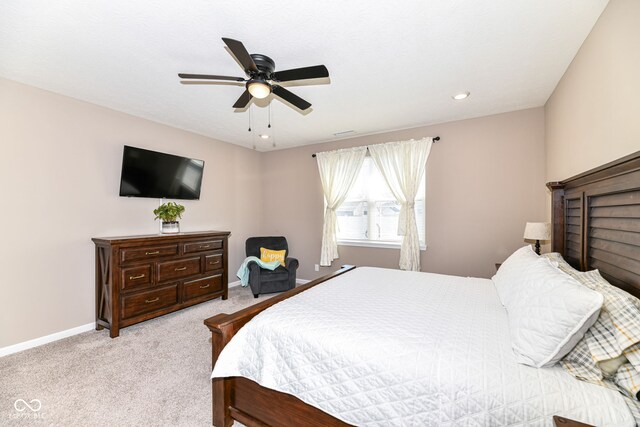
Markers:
point(461, 95)
point(263, 136)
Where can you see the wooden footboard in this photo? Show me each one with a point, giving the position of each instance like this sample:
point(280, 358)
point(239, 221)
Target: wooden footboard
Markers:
point(231, 396)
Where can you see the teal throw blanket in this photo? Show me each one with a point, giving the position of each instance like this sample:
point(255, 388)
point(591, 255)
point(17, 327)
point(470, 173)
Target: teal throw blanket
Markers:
point(243, 271)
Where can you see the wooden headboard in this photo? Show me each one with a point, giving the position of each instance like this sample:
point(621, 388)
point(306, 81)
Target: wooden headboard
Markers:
point(596, 221)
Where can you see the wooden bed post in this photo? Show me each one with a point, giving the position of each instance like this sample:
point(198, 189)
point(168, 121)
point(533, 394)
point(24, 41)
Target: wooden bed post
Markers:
point(221, 334)
point(557, 216)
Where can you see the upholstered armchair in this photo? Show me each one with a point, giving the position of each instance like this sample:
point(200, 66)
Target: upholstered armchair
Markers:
point(263, 281)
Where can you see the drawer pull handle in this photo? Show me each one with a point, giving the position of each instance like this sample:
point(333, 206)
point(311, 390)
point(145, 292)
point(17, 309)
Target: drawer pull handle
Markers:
point(214, 262)
point(205, 286)
point(140, 276)
point(180, 268)
point(152, 253)
point(149, 301)
point(204, 246)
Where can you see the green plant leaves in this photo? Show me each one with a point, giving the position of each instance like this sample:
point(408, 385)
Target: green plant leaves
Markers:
point(169, 211)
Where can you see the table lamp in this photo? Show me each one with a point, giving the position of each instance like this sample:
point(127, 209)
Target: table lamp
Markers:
point(537, 231)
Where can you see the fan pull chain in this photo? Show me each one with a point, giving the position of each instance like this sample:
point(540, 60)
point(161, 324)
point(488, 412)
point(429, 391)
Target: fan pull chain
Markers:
point(273, 131)
point(253, 140)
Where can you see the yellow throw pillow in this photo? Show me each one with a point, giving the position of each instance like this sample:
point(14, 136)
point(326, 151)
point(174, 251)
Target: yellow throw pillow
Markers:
point(267, 255)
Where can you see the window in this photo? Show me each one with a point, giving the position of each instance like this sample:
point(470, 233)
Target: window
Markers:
point(369, 215)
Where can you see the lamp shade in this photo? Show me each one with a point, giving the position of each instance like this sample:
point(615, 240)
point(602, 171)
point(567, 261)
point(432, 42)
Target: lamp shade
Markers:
point(537, 231)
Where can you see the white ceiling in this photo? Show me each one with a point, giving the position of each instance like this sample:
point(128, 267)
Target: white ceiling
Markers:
point(392, 65)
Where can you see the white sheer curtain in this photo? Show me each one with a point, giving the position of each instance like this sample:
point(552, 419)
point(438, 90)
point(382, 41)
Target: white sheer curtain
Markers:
point(402, 165)
point(338, 172)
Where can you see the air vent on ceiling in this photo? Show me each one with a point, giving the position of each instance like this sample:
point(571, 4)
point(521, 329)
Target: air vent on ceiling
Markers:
point(344, 133)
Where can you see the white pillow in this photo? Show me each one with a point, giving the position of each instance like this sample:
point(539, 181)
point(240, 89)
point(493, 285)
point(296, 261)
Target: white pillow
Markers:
point(550, 314)
point(509, 276)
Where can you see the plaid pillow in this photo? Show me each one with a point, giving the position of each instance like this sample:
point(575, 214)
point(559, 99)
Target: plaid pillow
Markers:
point(634, 407)
point(628, 378)
point(579, 363)
point(615, 333)
point(618, 326)
point(563, 265)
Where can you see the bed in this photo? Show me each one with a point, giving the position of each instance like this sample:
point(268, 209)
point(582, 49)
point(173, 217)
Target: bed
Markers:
point(450, 372)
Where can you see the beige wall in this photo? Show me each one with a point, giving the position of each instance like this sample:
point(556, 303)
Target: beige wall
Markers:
point(485, 179)
point(593, 116)
point(60, 171)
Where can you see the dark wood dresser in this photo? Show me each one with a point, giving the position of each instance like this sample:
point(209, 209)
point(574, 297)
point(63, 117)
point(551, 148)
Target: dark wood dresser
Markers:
point(142, 277)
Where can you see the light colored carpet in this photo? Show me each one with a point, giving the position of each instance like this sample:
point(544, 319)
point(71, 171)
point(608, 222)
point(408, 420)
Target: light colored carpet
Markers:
point(155, 374)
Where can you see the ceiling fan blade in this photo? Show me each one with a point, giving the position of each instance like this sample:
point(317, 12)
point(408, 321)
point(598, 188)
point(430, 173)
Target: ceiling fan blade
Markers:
point(241, 54)
point(315, 72)
point(290, 97)
point(243, 101)
point(209, 77)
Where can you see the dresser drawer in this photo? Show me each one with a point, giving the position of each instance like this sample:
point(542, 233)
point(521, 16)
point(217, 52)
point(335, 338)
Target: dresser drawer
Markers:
point(136, 276)
point(171, 270)
point(133, 254)
point(212, 262)
point(145, 302)
point(197, 288)
point(205, 245)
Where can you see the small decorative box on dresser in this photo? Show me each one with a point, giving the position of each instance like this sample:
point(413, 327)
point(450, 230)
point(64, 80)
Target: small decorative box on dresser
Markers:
point(142, 277)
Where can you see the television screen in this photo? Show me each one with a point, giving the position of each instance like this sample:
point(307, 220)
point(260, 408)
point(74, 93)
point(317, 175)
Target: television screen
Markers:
point(147, 173)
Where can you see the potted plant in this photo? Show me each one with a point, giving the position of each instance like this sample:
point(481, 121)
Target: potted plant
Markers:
point(169, 213)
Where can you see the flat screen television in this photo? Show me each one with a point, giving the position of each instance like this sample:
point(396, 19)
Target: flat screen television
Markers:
point(147, 173)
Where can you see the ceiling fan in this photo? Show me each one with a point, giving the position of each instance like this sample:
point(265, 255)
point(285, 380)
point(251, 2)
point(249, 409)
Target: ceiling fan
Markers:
point(262, 77)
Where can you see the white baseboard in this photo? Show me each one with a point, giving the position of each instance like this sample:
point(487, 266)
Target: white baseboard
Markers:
point(16, 348)
point(5, 351)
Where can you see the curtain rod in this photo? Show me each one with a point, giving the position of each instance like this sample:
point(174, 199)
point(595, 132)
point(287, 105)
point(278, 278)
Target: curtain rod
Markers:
point(435, 139)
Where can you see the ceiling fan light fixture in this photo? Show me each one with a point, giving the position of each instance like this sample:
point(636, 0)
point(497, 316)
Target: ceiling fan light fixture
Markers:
point(261, 71)
point(258, 88)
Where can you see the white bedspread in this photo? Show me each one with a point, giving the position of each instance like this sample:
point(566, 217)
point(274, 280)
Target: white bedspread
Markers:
point(378, 347)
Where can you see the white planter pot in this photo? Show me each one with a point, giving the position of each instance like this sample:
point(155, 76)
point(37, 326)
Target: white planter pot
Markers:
point(170, 227)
